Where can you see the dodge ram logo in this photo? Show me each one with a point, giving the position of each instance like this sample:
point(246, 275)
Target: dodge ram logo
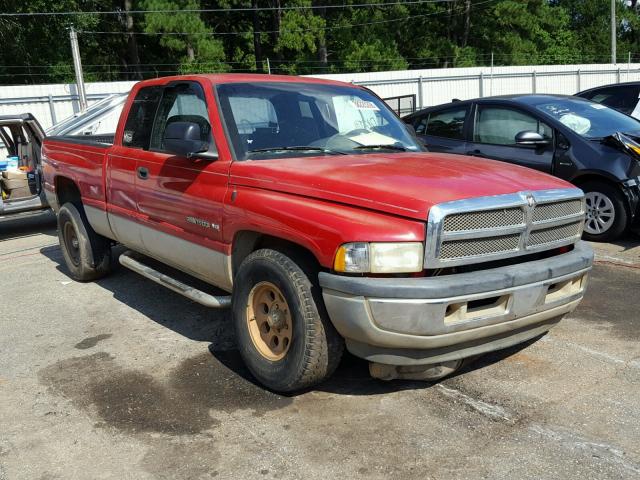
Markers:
point(530, 200)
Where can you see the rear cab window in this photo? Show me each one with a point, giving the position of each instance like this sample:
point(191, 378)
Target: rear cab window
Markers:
point(139, 124)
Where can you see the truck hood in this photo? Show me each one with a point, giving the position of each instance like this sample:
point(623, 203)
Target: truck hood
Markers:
point(406, 184)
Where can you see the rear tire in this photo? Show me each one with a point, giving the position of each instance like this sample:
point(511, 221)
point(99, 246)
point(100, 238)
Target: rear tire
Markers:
point(283, 332)
point(607, 216)
point(86, 254)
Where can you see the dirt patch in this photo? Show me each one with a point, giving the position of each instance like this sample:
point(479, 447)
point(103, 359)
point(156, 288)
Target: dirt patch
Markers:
point(91, 342)
point(608, 302)
point(176, 458)
point(176, 404)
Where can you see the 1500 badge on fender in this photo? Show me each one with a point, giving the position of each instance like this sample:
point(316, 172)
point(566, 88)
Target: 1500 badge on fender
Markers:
point(203, 223)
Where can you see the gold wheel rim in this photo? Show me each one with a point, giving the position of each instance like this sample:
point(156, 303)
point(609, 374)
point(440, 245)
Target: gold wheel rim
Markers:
point(269, 321)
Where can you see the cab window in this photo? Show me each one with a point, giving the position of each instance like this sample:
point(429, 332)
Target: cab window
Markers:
point(137, 129)
point(500, 125)
point(183, 102)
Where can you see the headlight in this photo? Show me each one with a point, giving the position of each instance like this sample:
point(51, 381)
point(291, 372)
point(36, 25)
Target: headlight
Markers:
point(360, 257)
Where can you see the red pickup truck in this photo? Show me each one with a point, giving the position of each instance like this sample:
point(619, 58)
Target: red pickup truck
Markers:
point(319, 213)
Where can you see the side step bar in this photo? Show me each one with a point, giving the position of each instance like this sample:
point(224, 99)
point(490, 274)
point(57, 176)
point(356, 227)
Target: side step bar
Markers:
point(198, 296)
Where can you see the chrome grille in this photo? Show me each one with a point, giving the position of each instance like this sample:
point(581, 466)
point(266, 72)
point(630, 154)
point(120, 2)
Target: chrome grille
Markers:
point(487, 219)
point(555, 234)
point(489, 228)
point(481, 246)
point(556, 210)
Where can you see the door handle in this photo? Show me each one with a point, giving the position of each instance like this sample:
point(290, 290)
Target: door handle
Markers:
point(143, 173)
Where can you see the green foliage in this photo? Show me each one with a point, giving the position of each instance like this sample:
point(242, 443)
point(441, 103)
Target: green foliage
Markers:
point(373, 56)
point(187, 35)
point(457, 33)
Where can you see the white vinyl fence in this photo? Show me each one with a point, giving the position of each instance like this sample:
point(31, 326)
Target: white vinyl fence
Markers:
point(406, 90)
point(51, 103)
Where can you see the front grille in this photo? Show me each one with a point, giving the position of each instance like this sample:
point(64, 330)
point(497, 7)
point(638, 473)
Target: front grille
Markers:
point(556, 210)
point(555, 234)
point(490, 228)
point(487, 219)
point(480, 246)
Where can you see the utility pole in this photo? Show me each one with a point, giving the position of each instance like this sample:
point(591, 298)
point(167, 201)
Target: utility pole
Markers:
point(613, 32)
point(77, 65)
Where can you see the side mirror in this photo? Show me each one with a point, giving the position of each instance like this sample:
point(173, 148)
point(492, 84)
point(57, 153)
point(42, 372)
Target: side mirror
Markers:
point(529, 138)
point(184, 138)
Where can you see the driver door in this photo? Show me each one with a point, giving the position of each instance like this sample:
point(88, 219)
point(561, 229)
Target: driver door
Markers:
point(494, 131)
point(180, 199)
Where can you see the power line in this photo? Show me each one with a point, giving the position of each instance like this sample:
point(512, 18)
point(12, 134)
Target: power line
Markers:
point(251, 32)
point(224, 10)
point(282, 66)
point(366, 60)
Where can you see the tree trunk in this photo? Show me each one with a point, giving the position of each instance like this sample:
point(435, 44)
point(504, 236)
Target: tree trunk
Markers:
point(321, 41)
point(449, 19)
point(133, 58)
point(275, 35)
point(467, 22)
point(257, 45)
point(191, 54)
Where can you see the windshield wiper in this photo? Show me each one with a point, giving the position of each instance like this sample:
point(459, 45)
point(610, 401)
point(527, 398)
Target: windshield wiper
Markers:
point(300, 148)
point(380, 147)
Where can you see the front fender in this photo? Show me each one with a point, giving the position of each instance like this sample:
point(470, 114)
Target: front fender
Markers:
point(319, 226)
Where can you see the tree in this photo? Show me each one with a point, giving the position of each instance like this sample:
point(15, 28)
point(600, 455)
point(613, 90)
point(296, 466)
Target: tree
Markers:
point(186, 34)
point(303, 36)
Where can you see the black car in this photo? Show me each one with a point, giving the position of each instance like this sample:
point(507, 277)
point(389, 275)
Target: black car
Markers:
point(624, 97)
point(588, 144)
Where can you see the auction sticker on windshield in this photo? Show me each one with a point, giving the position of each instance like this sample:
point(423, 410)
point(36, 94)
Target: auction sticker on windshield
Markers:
point(361, 104)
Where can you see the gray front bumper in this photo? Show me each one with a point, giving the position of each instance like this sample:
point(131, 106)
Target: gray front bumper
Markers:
point(409, 321)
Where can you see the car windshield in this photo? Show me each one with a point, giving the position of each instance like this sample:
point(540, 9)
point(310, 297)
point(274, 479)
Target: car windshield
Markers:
point(275, 120)
point(588, 119)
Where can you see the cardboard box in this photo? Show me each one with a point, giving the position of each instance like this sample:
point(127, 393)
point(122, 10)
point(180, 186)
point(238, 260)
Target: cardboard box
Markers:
point(14, 175)
point(20, 193)
point(15, 183)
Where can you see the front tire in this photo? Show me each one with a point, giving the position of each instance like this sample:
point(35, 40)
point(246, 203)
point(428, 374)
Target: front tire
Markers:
point(607, 216)
point(86, 254)
point(283, 332)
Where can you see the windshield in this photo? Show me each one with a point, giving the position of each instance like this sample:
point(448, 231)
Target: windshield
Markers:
point(274, 120)
point(588, 119)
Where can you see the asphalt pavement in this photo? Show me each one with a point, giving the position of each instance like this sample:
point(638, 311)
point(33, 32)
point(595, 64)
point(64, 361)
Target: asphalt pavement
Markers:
point(124, 379)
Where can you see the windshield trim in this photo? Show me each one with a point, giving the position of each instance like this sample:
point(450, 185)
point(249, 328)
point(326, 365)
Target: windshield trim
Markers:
point(224, 116)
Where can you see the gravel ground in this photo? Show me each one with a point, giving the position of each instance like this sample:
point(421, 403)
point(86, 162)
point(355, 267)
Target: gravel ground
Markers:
point(125, 379)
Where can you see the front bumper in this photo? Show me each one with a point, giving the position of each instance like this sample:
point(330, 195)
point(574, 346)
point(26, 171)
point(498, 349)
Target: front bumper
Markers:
point(421, 321)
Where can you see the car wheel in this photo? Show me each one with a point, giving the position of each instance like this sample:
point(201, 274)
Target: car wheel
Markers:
point(606, 213)
point(283, 332)
point(86, 254)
